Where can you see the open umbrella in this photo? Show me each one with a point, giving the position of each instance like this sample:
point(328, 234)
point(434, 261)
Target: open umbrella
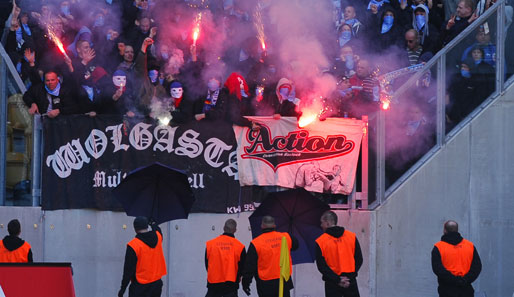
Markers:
point(156, 191)
point(296, 212)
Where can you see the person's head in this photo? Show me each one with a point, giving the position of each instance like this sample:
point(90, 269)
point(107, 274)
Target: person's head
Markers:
point(213, 83)
point(388, 16)
point(230, 226)
point(83, 47)
point(128, 53)
point(482, 37)
point(465, 70)
point(420, 11)
point(176, 90)
point(363, 69)
point(268, 222)
point(412, 39)
point(99, 19)
point(477, 54)
point(51, 80)
point(119, 78)
point(65, 8)
point(14, 227)
point(346, 51)
point(345, 28)
point(144, 24)
point(57, 24)
point(24, 18)
point(343, 83)
point(349, 12)
point(141, 224)
point(328, 219)
point(450, 226)
point(464, 8)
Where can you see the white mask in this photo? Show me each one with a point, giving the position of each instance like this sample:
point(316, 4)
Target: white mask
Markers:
point(176, 92)
point(119, 81)
point(241, 83)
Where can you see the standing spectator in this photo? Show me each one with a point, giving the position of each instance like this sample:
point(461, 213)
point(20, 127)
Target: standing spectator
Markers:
point(224, 260)
point(365, 90)
point(262, 261)
point(483, 40)
point(338, 258)
point(350, 18)
point(388, 32)
point(12, 248)
point(144, 261)
point(427, 33)
point(458, 22)
point(456, 263)
point(51, 97)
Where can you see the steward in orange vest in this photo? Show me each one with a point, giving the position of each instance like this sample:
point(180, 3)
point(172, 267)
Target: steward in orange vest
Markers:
point(338, 257)
point(144, 262)
point(224, 260)
point(263, 260)
point(12, 248)
point(456, 263)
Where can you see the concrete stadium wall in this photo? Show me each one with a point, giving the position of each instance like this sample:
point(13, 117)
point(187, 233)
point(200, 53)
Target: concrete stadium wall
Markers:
point(94, 242)
point(471, 181)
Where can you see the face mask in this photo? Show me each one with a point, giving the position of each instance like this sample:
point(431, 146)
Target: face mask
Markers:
point(388, 19)
point(420, 21)
point(349, 62)
point(161, 81)
point(165, 55)
point(65, 10)
point(109, 35)
point(153, 74)
point(99, 21)
point(108, 2)
point(284, 93)
point(465, 73)
point(478, 61)
point(346, 35)
point(213, 85)
point(176, 93)
point(119, 81)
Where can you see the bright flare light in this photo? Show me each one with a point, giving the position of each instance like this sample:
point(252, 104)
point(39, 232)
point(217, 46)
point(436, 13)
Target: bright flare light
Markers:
point(196, 29)
point(57, 41)
point(164, 121)
point(259, 27)
point(307, 119)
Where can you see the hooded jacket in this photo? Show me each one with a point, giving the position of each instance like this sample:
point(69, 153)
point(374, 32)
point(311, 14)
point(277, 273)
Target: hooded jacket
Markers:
point(328, 274)
point(449, 284)
point(12, 243)
point(129, 269)
point(428, 34)
point(286, 107)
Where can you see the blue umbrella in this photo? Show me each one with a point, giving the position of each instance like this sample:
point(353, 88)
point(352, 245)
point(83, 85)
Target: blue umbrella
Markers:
point(156, 191)
point(296, 212)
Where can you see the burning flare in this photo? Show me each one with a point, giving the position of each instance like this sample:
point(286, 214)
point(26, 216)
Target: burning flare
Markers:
point(307, 118)
point(56, 40)
point(196, 29)
point(257, 16)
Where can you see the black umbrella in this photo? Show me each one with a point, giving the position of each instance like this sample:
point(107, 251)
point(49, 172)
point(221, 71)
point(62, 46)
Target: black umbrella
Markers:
point(156, 191)
point(296, 212)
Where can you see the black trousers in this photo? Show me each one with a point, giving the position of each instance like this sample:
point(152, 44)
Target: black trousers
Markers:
point(145, 290)
point(333, 290)
point(218, 293)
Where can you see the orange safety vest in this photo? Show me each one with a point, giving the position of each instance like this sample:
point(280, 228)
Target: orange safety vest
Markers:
point(456, 258)
point(223, 255)
point(19, 255)
point(151, 265)
point(339, 253)
point(268, 246)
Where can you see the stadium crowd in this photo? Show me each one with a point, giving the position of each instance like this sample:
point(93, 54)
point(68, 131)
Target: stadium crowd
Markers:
point(208, 60)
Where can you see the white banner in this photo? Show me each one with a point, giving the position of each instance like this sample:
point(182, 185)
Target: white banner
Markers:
point(321, 157)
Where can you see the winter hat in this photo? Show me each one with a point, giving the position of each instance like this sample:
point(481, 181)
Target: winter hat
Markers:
point(175, 84)
point(119, 72)
point(140, 223)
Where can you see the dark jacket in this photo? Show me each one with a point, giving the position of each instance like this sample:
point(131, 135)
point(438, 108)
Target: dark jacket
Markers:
point(449, 284)
point(227, 287)
point(230, 108)
point(269, 287)
point(129, 268)
point(328, 274)
point(65, 102)
point(449, 35)
point(12, 243)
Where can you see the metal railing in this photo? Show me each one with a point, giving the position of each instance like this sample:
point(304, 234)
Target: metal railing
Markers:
point(495, 14)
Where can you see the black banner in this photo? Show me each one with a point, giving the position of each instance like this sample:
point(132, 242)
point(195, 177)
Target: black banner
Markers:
point(86, 157)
